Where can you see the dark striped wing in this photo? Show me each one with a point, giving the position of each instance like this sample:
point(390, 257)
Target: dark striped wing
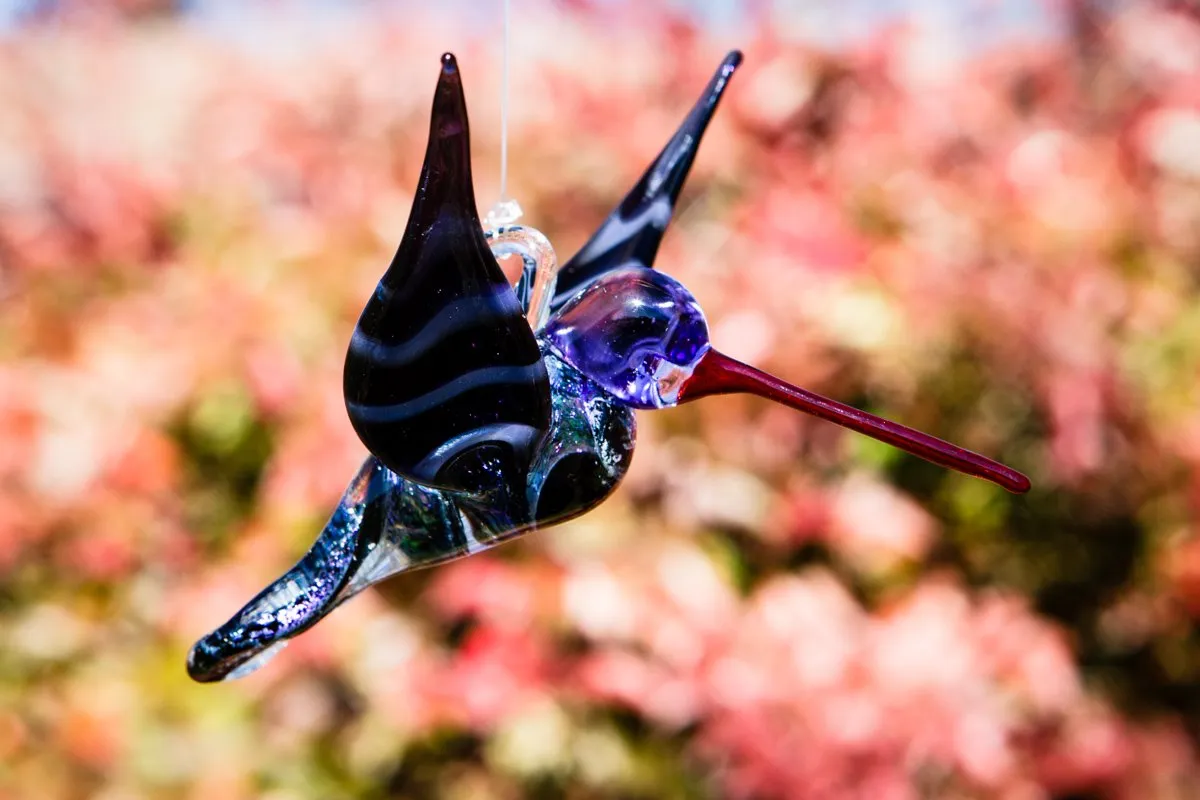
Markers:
point(634, 230)
point(443, 379)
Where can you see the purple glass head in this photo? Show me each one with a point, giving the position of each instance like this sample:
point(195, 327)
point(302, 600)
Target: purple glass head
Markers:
point(636, 332)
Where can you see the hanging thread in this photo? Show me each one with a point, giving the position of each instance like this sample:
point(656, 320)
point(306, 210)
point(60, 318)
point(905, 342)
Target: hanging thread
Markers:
point(504, 101)
point(506, 211)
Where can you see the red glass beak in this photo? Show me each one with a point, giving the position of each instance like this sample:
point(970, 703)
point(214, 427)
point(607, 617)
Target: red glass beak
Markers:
point(717, 373)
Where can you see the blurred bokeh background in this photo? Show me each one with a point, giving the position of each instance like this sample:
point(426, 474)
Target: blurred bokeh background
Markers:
point(978, 218)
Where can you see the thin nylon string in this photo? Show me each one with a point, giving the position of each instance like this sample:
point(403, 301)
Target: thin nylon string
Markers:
point(504, 103)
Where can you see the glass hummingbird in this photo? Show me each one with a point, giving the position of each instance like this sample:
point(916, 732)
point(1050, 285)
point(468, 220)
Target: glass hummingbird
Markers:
point(487, 416)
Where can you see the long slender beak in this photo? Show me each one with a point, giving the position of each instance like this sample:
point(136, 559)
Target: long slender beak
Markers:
point(717, 373)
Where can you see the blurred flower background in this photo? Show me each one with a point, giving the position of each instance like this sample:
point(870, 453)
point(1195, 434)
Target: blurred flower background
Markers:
point(981, 219)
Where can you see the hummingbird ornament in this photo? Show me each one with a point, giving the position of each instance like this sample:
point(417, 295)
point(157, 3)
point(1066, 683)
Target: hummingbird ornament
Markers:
point(491, 410)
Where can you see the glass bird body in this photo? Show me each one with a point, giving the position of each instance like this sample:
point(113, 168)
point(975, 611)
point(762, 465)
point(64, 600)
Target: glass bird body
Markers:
point(487, 417)
point(386, 523)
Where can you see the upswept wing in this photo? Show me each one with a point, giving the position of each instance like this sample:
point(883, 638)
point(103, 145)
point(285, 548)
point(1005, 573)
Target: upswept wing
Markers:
point(634, 230)
point(443, 372)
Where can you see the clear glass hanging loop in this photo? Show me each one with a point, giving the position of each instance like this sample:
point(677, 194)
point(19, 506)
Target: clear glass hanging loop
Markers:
point(539, 268)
